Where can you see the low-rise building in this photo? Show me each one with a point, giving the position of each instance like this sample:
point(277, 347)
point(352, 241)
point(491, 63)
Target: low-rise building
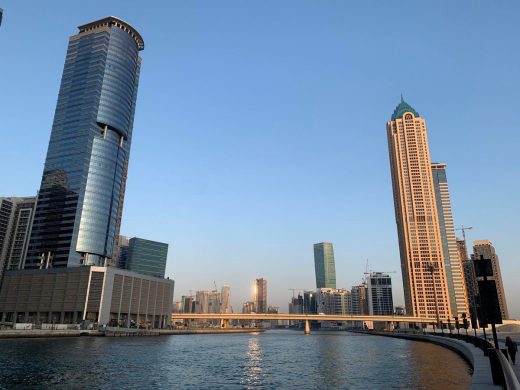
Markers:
point(105, 295)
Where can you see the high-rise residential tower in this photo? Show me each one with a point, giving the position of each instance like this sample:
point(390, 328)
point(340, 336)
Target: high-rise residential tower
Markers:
point(225, 300)
point(452, 262)
point(379, 294)
point(422, 262)
point(82, 188)
point(484, 249)
point(260, 295)
point(324, 265)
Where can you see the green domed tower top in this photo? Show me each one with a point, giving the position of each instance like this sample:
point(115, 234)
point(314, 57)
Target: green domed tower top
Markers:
point(402, 108)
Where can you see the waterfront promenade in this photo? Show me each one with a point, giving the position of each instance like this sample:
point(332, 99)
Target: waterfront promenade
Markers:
point(482, 377)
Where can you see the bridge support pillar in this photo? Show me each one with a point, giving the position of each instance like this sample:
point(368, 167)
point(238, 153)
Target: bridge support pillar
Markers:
point(307, 327)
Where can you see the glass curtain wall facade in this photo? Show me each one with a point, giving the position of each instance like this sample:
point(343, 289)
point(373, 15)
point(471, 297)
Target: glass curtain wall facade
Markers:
point(147, 257)
point(324, 265)
point(452, 262)
point(82, 188)
point(379, 290)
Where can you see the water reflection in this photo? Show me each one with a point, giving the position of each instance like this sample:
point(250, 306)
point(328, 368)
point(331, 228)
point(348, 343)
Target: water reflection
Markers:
point(270, 360)
point(424, 356)
point(253, 365)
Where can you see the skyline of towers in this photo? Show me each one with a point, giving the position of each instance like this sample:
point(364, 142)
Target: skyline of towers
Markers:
point(422, 261)
point(452, 262)
point(80, 201)
point(324, 265)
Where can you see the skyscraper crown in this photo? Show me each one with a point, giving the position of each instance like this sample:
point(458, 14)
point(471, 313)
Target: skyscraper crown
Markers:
point(402, 108)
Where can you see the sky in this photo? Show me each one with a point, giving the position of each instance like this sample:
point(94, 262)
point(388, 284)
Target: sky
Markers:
point(260, 128)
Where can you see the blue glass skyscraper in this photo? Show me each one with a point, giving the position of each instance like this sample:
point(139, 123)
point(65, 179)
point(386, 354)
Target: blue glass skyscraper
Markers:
point(81, 195)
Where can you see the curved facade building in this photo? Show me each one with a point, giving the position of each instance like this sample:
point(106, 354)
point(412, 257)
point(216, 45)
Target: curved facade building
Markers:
point(82, 190)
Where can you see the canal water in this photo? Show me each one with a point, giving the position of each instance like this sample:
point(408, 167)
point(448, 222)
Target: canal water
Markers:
point(271, 360)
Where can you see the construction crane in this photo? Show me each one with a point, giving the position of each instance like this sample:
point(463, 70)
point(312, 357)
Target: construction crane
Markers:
point(463, 229)
point(296, 289)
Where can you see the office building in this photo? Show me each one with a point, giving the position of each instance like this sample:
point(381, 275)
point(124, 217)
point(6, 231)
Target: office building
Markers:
point(483, 249)
point(452, 263)
point(260, 295)
point(470, 279)
point(296, 305)
point(214, 302)
point(309, 302)
point(207, 302)
point(16, 215)
point(225, 304)
point(147, 257)
point(188, 304)
point(359, 299)
point(248, 307)
point(324, 265)
point(120, 256)
point(106, 295)
point(379, 294)
point(82, 189)
point(333, 301)
point(422, 261)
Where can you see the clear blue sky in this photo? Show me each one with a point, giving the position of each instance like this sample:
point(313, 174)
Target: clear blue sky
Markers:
point(260, 127)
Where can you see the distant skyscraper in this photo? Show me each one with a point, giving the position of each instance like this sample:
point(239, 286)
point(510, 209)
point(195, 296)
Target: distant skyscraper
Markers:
point(1, 15)
point(309, 302)
point(359, 299)
point(485, 249)
point(225, 305)
point(296, 305)
point(452, 262)
point(82, 188)
point(260, 295)
point(324, 265)
point(16, 215)
point(248, 307)
point(469, 278)
point(332, 301)
point(147, 257)
point(420, 245)
point(188, 304)
point(379, 294)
